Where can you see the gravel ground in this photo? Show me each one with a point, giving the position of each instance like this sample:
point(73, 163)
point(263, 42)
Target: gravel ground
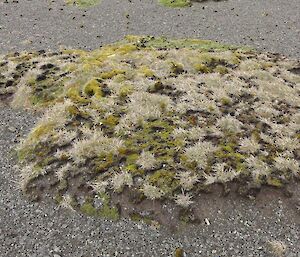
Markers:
point(234, 226)
point(272, 25)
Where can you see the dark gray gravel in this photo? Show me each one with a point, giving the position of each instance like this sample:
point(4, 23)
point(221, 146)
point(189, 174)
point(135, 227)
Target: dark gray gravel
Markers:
point(272, 25)
point(237, 227)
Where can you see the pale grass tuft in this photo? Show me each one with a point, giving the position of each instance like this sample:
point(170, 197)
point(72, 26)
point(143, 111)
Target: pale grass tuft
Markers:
point(254, 162)
point(143, 106)
point(184, 200)
point(60, 154)
point(194, 133)
point(120, 180)
point(250, 65)
point(296, 119)
point(248, 145)
point(25, 176)
point(229, 124)
point(290, 76)
point(214, 131)
point(287, 164)
point(147, 160)
point(267, 121)
point(99, 187)
point(187, 179)
point(91, 132)
point(128, 123)
point(192, 100)
point(287, 143)
point(257, 167)
point(278, 248)
point(277, 128)
point(65, 137)
point(234, 86)
point(28, 173)
point(22, 97)
point(63, 171)
point(106, 104)
point(274, 89)
point(66, 202)
point(180, 133)
point(266, 111)
point(219, 93)
point(199, 152)
point(209, 179)
point(152, 192)
point(95, 144)
point(57, 114)
point(222, 174)
point(292, 128)
point(266, 138)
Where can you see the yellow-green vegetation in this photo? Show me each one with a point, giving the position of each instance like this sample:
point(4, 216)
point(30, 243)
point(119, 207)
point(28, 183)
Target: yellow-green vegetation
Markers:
point(167, 3)
point(179, 252)
point(83, 3)
point(105, 211)
point(175, 3)
point(156, 117)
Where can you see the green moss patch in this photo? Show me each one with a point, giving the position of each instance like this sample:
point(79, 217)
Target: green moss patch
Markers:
point(83, 3)
point(175, 3)
point(167, 3)
point(158, 118)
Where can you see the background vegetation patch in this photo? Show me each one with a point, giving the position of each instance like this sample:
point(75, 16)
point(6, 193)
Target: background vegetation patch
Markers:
point(83, 3)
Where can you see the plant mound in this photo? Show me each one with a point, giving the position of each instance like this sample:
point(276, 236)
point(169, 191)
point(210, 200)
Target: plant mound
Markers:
point(83, 3)
point(168, 3)
point(156, 118)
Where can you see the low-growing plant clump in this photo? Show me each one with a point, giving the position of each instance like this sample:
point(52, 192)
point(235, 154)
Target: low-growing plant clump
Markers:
point(168, 3)
point(83, 3)
point(181, 3)
point(157, 119)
